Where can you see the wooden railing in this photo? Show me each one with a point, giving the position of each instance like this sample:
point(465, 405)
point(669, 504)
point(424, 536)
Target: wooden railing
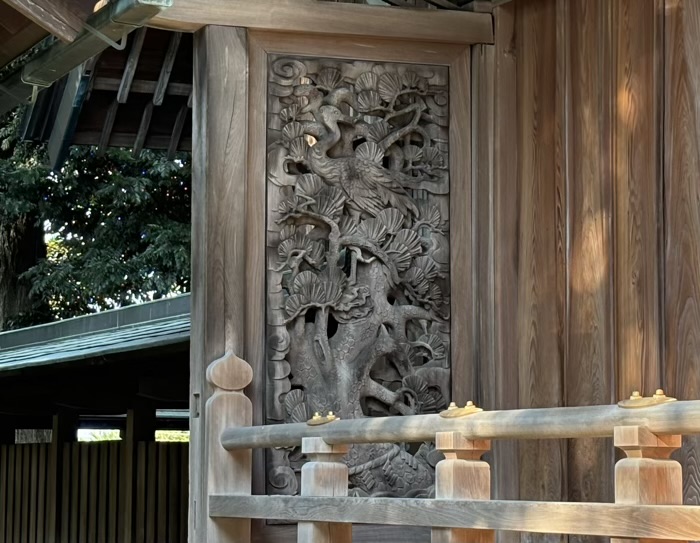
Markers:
point(648, 484)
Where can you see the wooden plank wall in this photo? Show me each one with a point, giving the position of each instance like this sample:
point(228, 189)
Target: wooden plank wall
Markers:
point(594, 223)
point(91, 484)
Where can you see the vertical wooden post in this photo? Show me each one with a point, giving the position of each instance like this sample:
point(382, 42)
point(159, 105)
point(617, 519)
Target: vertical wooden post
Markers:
point(64, 430)
point(647, 476)
point(140, 426)
point(462, 475)
point(219, 165)
point(227, 472)
point(324, 475)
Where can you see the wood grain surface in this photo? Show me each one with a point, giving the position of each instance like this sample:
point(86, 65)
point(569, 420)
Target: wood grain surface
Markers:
point(599, 519)
point(682, 218)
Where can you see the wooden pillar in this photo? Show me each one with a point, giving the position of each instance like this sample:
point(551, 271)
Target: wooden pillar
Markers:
point(64, 430)
point(140, 426)
point(228, 473)
point(647, 476)
point(219, 161)
point(324, 475)
point(462, 475)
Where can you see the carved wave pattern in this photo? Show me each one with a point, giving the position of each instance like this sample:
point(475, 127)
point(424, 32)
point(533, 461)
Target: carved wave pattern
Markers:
point(358, 258)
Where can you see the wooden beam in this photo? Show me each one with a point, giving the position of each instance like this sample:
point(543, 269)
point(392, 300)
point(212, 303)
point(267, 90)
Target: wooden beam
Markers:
point(182, 116)
point(55, 17)
point(143, 129)
point(107, 127)
point(131, 63)
point(670, 522)
point(166, 68)
point(141, 86)
point(309, 16)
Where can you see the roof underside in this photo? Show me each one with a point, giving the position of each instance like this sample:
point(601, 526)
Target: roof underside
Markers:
point(139, 97)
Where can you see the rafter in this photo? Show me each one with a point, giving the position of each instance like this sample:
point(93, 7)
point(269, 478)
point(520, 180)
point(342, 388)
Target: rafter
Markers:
point(54, 16)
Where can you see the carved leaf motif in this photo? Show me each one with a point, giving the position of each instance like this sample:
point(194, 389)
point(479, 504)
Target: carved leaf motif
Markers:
point(366, 81)
point(409, 239)
point(298, 148)
point(329, 78)
point(400, 256)
point(292, 130)
point(330, 203)
point(302, 280)
point(368, 101)
point(416, 278)
point(412, 153)
point(430, 214)
point(347, 225)
point(433, 344)
point(373, 230)
point(428, 266)
point(309, 185)
point(370, 151)
point(290, 113)
point(392, 219)
point(412, 80)
point(378, 131)
point(433, 157)
point(295, 305)
point(389, 86)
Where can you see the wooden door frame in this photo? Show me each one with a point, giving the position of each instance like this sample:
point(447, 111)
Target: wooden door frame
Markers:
point(229, 204)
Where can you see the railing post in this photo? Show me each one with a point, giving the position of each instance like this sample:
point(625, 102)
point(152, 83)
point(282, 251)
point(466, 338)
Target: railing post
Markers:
point(323, 475)
point(647, 476)
point(227, 472)
point(462, 475)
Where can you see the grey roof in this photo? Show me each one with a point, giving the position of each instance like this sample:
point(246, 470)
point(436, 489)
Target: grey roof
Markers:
point(144, 326)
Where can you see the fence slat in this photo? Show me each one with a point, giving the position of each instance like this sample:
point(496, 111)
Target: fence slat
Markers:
point(151, 495)
point(173, 491)
point(114, 460)
point(3, 491)
point(140, 519)
point(162, 532)
point(17, 520)
point(33, 491)
point(42, 520)
point(103, 494)
point(184, 494)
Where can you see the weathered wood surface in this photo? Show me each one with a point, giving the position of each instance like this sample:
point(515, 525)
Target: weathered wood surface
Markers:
point(577, 224)
point(682, 218)
point(546, 423)
point(218, 226)
point(542, 256)
point(308, 16)
point(62, 18)
point(600, 519)
point(584, 159)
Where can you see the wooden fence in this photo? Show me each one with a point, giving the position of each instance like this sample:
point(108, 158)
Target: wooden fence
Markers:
point(648, 483)
point(87, 498)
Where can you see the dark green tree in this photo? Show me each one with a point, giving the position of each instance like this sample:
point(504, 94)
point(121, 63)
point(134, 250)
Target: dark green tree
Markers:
point(106, 231)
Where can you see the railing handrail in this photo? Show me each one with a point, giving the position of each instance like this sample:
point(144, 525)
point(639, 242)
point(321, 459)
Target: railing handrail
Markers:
point(681, 417)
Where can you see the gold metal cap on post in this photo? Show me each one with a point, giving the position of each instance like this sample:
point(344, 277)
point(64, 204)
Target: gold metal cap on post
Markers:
point(636, 400)
point(453, 412)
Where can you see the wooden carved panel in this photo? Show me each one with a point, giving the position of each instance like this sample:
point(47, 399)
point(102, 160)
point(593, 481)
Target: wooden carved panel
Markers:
point(357, 258)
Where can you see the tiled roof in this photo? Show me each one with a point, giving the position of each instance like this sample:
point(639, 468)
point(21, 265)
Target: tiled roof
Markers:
point(155, 324)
